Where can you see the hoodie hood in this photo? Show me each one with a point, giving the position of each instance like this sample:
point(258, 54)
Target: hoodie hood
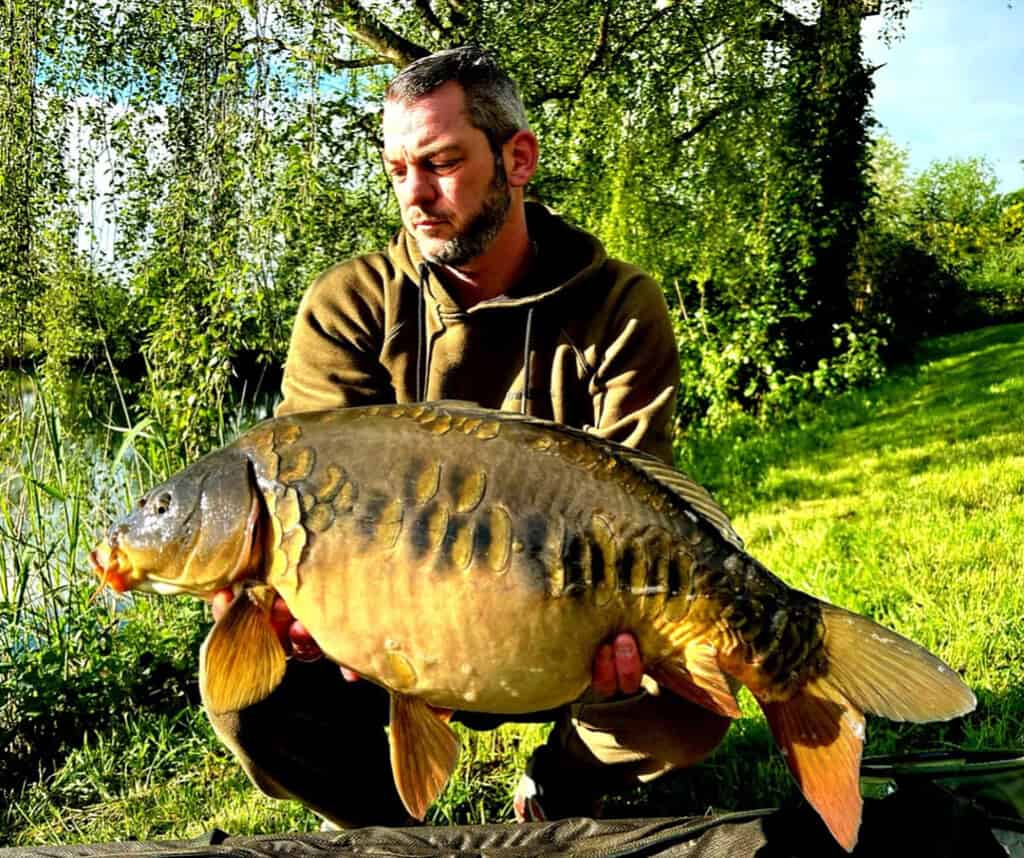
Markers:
point(566, 258)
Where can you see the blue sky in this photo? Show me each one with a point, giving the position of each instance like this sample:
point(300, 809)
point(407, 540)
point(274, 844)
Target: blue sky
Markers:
point(953, 84)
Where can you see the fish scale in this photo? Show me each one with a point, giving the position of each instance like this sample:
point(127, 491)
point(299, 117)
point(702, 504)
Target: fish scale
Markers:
point(554, 543)
point(470, 559)
point(643, 552)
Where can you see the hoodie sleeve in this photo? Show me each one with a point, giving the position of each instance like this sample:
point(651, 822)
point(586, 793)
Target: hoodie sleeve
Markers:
point(333, 357)
point(633, 388)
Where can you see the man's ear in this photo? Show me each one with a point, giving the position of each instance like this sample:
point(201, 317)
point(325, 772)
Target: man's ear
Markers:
point(520, 152)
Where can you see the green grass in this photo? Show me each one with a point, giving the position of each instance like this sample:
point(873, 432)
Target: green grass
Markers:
point(904, 502)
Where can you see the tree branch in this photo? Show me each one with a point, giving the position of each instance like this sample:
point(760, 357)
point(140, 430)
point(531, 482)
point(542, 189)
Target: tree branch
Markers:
point(714, 113)
point(785, 25)
point(390, 46)
point(334, 63)
point(700, 35)
point(340, 63)
point(596, 57)
point(431, 17)
point(460, 13)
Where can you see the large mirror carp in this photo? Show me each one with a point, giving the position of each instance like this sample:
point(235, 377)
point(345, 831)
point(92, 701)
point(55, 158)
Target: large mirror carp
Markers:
point(475, 560)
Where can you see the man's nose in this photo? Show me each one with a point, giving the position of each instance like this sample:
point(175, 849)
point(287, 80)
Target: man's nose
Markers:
point(418, 188)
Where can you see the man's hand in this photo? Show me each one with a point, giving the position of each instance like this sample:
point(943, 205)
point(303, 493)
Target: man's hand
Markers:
point(294, 637)
point(618, 667)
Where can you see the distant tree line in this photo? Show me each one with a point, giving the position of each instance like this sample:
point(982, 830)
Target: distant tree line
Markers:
point(943, 250)
point(227, 151)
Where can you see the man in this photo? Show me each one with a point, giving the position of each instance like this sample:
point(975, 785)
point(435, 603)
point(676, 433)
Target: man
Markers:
point(486, 298)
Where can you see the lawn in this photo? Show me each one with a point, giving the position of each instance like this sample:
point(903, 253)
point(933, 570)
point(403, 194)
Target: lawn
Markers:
point(904, 502)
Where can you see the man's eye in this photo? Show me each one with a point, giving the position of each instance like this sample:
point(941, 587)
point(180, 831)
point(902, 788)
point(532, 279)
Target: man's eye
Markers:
point(443, 165)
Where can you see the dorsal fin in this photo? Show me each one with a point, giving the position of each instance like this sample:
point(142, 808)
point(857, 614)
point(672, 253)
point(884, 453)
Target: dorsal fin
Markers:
point(464, 405)
point(692, 492)
point(694, 495)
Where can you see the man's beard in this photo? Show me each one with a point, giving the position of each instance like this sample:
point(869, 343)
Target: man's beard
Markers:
point(482, 228)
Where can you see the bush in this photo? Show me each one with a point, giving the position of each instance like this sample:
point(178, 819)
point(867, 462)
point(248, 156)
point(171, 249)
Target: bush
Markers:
point(905, 294)
point(738, 363)
point(52, 690)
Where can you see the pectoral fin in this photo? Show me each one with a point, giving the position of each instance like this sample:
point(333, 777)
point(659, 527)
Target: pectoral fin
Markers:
point(241, 661)
point(424, 750)
point(696, 676)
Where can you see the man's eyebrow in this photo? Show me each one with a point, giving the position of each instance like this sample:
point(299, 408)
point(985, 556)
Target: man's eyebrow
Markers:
point(437, 150)
point(430, 152)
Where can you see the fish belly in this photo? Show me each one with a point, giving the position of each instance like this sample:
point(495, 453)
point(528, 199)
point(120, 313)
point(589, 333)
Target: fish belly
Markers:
point(459, 640)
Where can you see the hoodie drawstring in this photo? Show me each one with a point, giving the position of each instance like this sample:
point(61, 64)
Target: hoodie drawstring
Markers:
point(423, 350)
point(422, 353)
point(526, 358)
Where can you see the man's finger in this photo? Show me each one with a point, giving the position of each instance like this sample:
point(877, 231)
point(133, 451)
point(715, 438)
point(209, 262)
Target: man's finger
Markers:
point(629, 667)
point(219, 603)
point(281, 620)
point(603, 680)
point(304, 648)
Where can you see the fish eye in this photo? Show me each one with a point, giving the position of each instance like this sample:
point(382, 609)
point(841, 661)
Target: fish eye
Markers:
point(163, 503)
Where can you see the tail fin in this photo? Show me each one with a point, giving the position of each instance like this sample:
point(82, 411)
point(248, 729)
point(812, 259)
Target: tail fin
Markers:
point(821, 728)
point(884, 673)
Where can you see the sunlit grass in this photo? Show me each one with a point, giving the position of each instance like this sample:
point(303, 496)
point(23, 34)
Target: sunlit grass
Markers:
point(904, 502)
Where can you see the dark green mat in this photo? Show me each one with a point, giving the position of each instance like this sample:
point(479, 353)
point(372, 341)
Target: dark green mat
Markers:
point(934, 805)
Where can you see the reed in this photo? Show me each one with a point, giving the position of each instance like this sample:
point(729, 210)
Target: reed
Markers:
point(68, 656)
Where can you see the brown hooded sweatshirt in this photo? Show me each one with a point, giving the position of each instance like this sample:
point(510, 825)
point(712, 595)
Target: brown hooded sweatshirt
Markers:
point(593, 334)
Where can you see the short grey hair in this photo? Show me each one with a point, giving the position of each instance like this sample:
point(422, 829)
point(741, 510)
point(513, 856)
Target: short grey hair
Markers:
point(492, 100)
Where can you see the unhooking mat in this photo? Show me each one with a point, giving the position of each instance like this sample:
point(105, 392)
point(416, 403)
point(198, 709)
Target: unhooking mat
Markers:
point(942, 805)
point(922, 821)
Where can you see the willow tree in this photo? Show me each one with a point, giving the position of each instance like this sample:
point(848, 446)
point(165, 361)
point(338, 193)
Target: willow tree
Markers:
point(32, 185)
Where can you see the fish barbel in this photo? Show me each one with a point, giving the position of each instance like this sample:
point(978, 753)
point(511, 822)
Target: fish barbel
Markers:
point(476, 560)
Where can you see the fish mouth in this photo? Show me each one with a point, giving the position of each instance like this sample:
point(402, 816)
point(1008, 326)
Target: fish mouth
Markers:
point(116, 572)
point(112, 567)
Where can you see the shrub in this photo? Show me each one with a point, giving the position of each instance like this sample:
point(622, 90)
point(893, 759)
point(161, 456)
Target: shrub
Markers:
point(903, 292)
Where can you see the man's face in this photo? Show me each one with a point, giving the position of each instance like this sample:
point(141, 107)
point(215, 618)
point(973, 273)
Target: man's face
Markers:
point(451, 187)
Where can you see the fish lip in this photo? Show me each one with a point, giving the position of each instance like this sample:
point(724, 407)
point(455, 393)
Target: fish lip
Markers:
point(105, 560)
point(164, 587)
point(98, 565)
point(111, 564)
